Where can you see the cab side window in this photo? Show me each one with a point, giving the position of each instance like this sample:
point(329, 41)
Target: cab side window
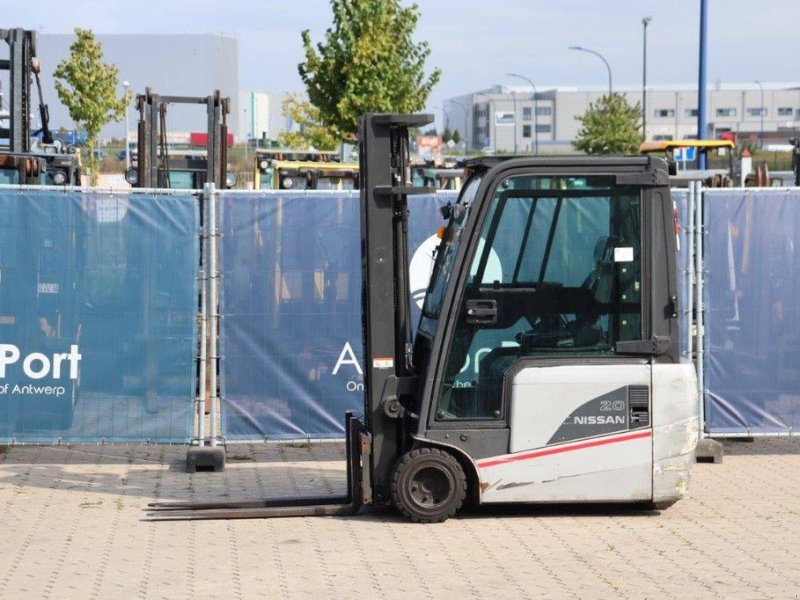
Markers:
point(557, 272)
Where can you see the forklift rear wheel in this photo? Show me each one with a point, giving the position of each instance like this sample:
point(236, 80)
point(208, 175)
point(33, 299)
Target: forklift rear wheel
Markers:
point(428, 485)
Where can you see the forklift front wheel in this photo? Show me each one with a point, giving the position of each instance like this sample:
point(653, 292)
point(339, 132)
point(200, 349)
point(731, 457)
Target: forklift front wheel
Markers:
point(428, 485)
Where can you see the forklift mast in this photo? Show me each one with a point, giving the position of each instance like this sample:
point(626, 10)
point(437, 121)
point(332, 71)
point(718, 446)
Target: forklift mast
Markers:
point(21, 52)
point(153, 162)
point(385, 176)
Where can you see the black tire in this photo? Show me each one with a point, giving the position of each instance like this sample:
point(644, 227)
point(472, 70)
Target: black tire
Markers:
point(428, 485)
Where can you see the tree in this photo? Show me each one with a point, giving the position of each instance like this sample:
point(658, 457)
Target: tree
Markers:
point(456, 137)
point(447, 135)
point(87, 87)
point(310, 133)
point(367, 63)
point(610, 126)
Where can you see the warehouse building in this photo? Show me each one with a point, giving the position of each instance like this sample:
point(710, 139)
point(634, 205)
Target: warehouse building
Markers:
point(509, 119)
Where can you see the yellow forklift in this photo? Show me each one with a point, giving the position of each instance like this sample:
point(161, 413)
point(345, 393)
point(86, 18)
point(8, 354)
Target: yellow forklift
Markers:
point(684, 158)
point(278, 169)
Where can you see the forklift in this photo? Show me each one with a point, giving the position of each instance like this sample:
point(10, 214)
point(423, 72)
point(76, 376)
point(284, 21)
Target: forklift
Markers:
point(22, 145)
point(545, 367)
point(281, 169)
point(157, 165)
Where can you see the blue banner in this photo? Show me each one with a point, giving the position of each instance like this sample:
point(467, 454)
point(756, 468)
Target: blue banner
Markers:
point(291, 305)
point(98, 299)
point(752, 296)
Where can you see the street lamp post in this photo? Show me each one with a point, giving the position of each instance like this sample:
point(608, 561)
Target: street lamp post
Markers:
point(761, 114)
point(514, 98)
point(126, 84)
point(601, 57)
point(535, 110)
point(645, 23)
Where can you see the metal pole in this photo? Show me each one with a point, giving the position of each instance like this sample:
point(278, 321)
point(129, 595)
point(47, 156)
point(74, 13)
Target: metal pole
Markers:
point(701, 83)
point(690, 272)
point(200, 401)
point(645, 23)
point(699, 227)
point(514, 98)
point(535, 110)
point(761, 114)
point(213, 309)
point(601, 57)
point(126, 84)
point(200, 412)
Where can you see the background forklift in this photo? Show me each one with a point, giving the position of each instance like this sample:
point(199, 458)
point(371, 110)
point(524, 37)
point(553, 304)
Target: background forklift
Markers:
point(159, 166)
point(546, 365)
point(278, 169)
point(22, 149)
point(685, 154)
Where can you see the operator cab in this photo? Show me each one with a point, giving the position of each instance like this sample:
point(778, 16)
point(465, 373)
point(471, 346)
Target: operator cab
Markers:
point(550, 313)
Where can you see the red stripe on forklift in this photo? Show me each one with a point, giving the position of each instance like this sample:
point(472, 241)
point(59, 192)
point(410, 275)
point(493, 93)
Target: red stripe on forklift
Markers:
point(528, 455)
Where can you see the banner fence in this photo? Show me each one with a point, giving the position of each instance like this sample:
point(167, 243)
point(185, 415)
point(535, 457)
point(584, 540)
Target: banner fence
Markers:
point(105, 297)
point(98, 299)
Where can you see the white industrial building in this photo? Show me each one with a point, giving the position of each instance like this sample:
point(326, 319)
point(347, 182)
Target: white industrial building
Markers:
point(509, 118)
point(254, 116)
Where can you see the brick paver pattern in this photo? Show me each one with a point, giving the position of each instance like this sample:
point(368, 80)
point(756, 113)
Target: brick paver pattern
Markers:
point(73, 526)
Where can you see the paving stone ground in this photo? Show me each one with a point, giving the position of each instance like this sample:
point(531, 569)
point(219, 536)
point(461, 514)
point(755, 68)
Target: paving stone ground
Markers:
point(73, 527)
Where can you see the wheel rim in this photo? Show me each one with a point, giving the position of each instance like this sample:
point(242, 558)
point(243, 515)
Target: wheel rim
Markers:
point(430, 487)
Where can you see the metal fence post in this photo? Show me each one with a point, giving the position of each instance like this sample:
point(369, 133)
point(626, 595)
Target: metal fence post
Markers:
point(202, 318)
point(212, 197)
point(690, 273)
point(200, 400)
point(699, 226)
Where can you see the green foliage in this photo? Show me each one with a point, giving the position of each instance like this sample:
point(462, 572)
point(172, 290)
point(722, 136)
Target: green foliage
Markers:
point(447, 135)
point(456, 137)
point(610, 126)
point(746, 144)
point(310, 133)
point(367, 63)
point(87, 87)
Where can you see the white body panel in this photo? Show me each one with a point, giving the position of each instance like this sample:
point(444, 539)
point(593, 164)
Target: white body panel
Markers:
point(618, 471)
point(676, 429)
point(640, 464)
point(599, 466)
point(542, 397)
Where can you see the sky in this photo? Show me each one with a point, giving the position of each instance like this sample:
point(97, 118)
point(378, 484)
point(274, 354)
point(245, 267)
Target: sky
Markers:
point(477, 42)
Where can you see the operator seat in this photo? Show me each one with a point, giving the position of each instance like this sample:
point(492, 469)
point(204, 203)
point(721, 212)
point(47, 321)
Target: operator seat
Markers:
point(600, 286)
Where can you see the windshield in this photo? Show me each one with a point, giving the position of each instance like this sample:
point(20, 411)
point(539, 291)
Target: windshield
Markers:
point(9, 176)
point(335, 182)
point(267, 182)
point(446, 253)
point(181, 180)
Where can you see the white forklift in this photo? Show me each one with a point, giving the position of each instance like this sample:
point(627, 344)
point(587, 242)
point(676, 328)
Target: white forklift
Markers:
point(545, 366)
